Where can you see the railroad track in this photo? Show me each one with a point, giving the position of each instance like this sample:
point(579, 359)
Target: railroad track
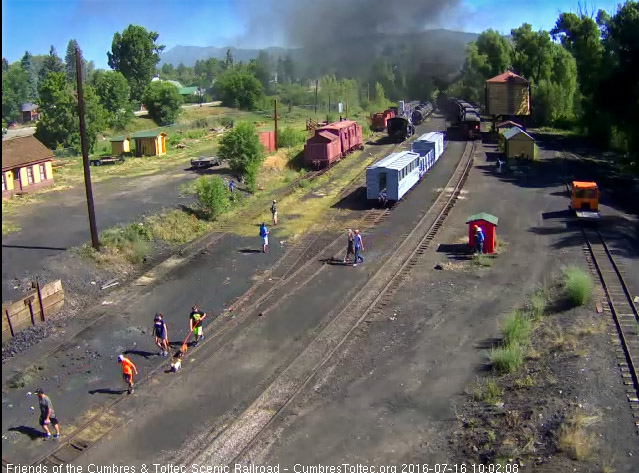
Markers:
point(296, 264)
point(624, 313)
point(232, 440)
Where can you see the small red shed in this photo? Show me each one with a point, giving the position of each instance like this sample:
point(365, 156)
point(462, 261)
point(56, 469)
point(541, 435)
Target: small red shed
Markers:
point(267, 138)
point(488, 224)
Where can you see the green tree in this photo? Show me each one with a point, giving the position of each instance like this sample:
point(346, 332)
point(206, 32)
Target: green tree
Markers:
point(261, 68)
point(168, 72)
point(27, 66)
point(52, 63)
point(497, 51)
point(237, 87)
point(163, 101)
point(59, 124)
point(5, 64)
point(244, 152)
point(69, 61)
point(212, 194)
point(135, 54)
point(15, 91)
point(228, 61)
point(206, 72)
point(114, 95)
point(532, 53)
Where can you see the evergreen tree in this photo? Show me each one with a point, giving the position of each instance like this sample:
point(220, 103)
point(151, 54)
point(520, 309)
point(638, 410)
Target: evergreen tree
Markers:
point(27, 66)
point(51, 63)
point(69, 60)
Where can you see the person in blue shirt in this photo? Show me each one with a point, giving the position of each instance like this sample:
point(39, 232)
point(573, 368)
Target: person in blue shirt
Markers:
point(264, 234)
point(359, 246)
point(231, 186)
point(479, 239)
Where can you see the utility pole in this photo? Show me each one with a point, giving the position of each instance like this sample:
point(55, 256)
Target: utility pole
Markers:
point(85, 154)
point(275, 118)
point(316, 84)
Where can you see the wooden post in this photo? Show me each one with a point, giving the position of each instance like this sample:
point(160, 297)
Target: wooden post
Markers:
point(42, 314)
point(275, 117)
point(6, 311)
point(31, 311)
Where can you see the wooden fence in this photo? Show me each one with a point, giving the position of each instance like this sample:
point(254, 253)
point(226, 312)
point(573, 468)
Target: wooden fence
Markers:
point(32, 309)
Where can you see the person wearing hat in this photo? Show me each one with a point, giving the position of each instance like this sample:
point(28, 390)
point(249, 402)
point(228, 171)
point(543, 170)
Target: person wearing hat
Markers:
point(274, 211)
point(47, 414)
point(127, 371)
point(195, 323)
point(479, 239)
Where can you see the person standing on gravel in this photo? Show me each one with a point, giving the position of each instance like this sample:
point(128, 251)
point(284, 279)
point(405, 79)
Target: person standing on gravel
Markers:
point(195, 324)
point(349, 248)
point(127, 371)
point(359, 246)
point(161, 334)
point(264, 234)
point(274, 211)
point(479, 240)
point(47, 414)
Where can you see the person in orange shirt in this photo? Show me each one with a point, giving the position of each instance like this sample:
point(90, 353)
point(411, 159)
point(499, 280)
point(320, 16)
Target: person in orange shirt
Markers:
point(127, 371)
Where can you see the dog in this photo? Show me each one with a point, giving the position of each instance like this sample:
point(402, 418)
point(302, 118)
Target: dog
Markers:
point(176, 360)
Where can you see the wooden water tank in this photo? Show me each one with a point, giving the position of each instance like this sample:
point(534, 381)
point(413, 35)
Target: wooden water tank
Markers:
point(508, 94)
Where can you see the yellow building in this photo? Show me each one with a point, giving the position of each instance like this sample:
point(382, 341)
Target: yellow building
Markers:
point(519, 144)
point(150, 143)
point(507, 94)
point(26, 166)
point(120, 145)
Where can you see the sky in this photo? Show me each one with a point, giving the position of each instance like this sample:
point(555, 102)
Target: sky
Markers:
point(35, 25)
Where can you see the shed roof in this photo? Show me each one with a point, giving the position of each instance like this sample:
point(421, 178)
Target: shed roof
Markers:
point(581, 184)
point(324, 135)
point(509, 134)
point(188, 90)
point(509, 123)
point(395, 161)
point(508, 76)
point(483, 216)
point(22, 151)
point(430, 136)
point(147, 134)
point(119, 138)
point(28, 107)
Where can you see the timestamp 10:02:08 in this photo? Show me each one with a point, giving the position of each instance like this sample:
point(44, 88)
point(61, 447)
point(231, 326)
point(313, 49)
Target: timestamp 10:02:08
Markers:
point(460, 468)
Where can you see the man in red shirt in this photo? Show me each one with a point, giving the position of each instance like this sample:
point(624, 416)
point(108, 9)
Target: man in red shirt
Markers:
point(127, 371)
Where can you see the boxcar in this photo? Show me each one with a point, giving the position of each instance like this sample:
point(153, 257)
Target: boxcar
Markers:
point(331, 142)
point(394, 175)
point(378, 120)
point(429, 141)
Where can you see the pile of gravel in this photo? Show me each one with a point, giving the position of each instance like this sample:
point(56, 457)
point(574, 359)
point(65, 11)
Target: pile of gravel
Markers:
point(27, 338)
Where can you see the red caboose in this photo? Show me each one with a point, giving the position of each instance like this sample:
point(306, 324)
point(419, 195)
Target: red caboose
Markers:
point(332, 142)
point(379, 120)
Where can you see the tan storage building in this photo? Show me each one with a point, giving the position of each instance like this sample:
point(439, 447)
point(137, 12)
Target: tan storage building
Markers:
point(120, 145)
point(519, 144)
point(26, 165)
point(507, 95)
point(150, 143)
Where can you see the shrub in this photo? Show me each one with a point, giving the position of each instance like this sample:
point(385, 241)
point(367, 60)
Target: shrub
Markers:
point(212, 194)
point(289, 137)
point(577, 285)
point(516, 329)
point(131, 241)
point(227, 122)
point(304, 183)
point(507, 359)
point(488, 391)
point(163, 101)
point(241, 147)
point(176, 226)
point(538, 303)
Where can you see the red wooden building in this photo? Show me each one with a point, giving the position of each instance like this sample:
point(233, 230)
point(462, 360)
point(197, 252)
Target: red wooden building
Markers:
point(488, 224)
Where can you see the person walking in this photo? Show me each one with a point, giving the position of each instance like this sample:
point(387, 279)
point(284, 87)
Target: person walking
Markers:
point(161, 334)
point(195, 324)
point(47, 414)
point(349, 248)
point(231, 186)
point(479, 240)
point(359, 247)
point(127, 371)
point(274, 211)
point(264, 234)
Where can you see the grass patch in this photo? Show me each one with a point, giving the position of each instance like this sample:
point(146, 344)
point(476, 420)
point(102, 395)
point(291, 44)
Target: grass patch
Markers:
point(176, 227)
point(573, 438)
point(24, 377)
point(487, 391)
point(304, 183)
point(538, 303)
point(482, 261)
point(516, 329)
point(507, 359)
point(578, 285)
point(526, 382)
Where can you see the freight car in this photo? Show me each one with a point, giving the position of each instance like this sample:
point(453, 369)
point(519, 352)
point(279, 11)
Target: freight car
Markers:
point(379, 120)
point(393, 176)
point(399, 128)
point(421, 112)
point(332, 142)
